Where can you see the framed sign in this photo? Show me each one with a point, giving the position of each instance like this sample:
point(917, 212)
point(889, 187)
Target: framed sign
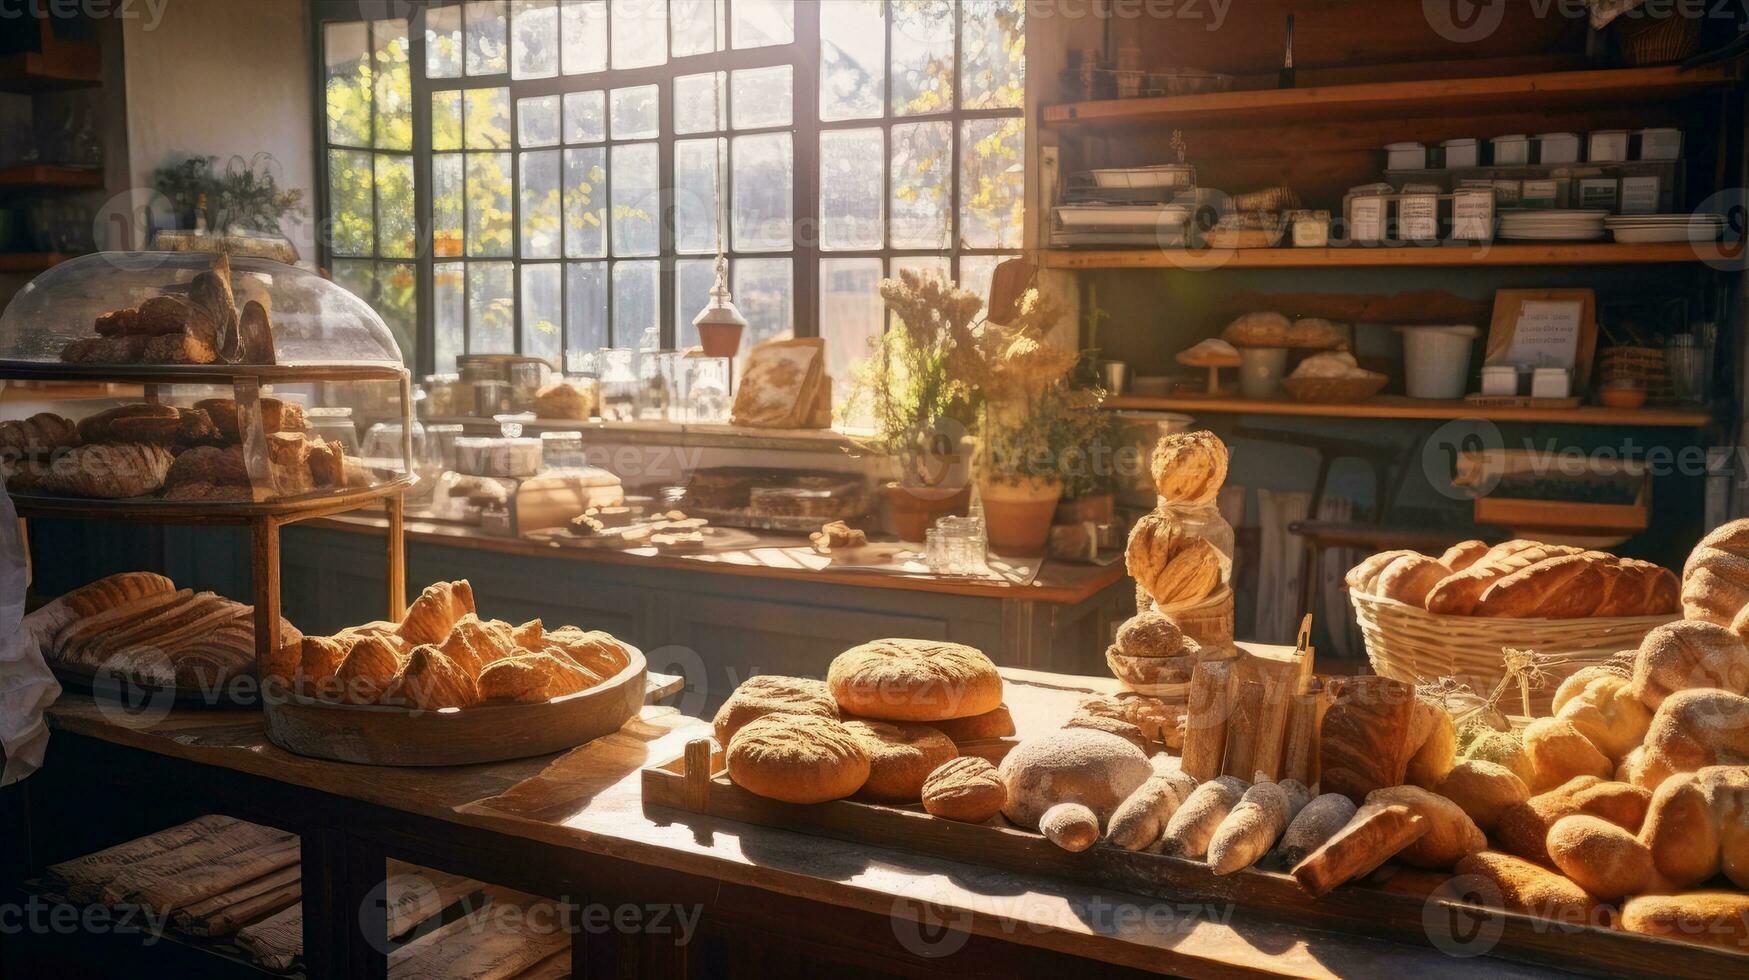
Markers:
point(1535, 328)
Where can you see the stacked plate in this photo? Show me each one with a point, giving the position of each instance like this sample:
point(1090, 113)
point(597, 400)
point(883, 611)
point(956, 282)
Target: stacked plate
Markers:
point(1639, 229)
point(1553, 226)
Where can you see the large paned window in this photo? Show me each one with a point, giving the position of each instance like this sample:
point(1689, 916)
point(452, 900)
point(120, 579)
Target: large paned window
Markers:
point(553, 176)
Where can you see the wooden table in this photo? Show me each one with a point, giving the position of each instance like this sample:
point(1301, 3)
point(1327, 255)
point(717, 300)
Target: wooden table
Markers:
point(574, 827)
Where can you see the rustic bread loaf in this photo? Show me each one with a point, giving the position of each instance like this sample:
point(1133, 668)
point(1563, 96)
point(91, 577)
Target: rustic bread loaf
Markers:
point(1409, 578)
point(1364, 743)
point(43, 432)
point(995, 723)
point(1457, 594)
point(1563, 587)
point(772, 694)
point(1259, 329)
point(900, 757)
point(1111, 726)
point(110, 471)
point(797, 759)
point(914, 680)
point(967, 788)
point(1075, 765)
point(1151, 633)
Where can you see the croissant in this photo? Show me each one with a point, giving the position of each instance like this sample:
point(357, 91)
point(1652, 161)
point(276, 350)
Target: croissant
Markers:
point(593, 650)
point(431, 681)
point(474, 643)
point(319, 657)
point(436, 612)
point(533, 677)
point(529, 635)
point(370, 666)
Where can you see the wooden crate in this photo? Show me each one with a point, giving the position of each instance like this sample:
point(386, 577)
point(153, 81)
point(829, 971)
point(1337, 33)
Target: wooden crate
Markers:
point(1405, 910)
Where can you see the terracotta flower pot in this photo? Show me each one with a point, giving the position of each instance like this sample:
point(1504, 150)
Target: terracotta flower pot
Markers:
point(1098, 508)
point(913, 510)
point(720, 339)
point(1018, 512)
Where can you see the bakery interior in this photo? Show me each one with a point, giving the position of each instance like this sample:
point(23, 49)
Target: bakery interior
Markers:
point(524, 488)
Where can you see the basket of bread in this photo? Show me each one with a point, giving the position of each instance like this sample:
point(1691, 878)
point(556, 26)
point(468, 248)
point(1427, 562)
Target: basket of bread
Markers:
point(446, 687)
point(1333, 378)
point(1451, 616)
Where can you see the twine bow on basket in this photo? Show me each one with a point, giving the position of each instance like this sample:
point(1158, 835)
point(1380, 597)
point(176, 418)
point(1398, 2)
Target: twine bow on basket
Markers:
point(1528, 668)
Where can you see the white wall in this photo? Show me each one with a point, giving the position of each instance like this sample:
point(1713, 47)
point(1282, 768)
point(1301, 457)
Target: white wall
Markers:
point(223, 77)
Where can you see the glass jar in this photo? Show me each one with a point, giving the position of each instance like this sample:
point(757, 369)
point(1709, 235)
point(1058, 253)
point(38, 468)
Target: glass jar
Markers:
point(619, 384)
point(334, 424)
point(1204, 520)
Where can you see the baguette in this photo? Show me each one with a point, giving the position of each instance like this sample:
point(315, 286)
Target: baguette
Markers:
point(1140, 821)
point(1194, 823)
point(1253, 826)
point(1564, 587)
point(1457, 594)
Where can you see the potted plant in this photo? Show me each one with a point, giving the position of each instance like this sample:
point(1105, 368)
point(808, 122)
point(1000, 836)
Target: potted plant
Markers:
point(921, 408)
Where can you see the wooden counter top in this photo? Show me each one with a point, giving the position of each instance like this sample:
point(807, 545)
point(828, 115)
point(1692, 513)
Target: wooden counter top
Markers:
point(588, 802)
point(776, 557)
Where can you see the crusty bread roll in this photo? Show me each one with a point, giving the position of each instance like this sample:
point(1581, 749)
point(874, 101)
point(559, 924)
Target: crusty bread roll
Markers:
point(1317, 822)
point(914, 680)
point(1577, 680)
point(1608, 713)
point(900, 757)
point(797, 759)
point(1483, 790)
point(1600, 857)
point(772, 694)
point(1458, 593)
point(1524, 828)
point(1364, 743)
point(1409, 578)
point(431, 616)
point(1462, 555)
point(1195, 821)
point(1254, 824)
point(1563, 587)
point(1698, 825)
point(1189, 467)
point(1434, 739)
point(1451, 833)
point(1503, 749)
point(1070, 826)
point(1140, 820)
point(1715, 579)
point(1152, 633)
point(1520, 886)
point(1689, 654)
point(1075, 765)
point(1364, 577)
point(1172, 564)
point(1259, 329)
point(1712, 918)
point(1558, 753)
point(1690, 731)
point(967, 788)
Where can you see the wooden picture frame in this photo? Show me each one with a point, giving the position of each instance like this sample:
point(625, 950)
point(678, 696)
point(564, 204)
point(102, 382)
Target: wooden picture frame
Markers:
point(1509, 307)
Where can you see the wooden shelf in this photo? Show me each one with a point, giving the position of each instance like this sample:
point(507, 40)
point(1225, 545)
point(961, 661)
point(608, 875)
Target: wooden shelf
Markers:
point(1607, 87)
point(1406, 256)
point(31, 261)
point(69, 66)
point(1398, 407)
point(51, 176)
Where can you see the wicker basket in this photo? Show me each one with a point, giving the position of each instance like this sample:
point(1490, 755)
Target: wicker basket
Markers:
point(1648, 40)
point(1410, 644)
point(1335, 391)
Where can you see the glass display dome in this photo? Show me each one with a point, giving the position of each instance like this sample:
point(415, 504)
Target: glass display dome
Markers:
point(183, 379)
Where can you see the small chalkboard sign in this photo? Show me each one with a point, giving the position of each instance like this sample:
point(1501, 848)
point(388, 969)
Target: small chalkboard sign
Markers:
point(1535, 328)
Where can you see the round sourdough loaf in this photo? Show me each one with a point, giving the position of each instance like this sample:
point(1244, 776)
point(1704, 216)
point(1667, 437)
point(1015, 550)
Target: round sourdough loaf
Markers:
point(1152, 633)
point(772, 694)
point(1189, 467)
point(900, 757)
point(1075, 765)
point(968, 789)
point(797, 759)
point(914, 680)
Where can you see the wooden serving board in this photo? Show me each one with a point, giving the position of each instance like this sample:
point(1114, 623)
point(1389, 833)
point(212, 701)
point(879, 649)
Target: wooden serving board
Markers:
point(1410, 910)
point(384, 735)
point(241, 692)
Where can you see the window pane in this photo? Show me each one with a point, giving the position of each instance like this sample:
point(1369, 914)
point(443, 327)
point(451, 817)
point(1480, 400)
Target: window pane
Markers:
point(540, 205)
point(636, 308)
point(922, 57)
point(762, 23)
point(920, 154)
point(491, 303)
point(584, 32)
point(489, 228)
point(851, 188)
point(446, 120)
point(992, 182)
point(585, 117)
point(696, 184)
point(640, 33)
point(397, 302)
point(449, 314)
point(350, 179)
point(692, 292)
point(346, 49)
point(699, 102)
point(637, 199)
point(537, 121)
point(541, 311)
point(443, 42)
point(585, 307)
point(448, 205)
point(698, 26)
point(762, 290)
point(633, 114)
point(763, 96)
point(488, 119)
point(534, 30)
point(850, 314)
point(853, 59)
point(394, 87)
point(585, 203)
point(394, 182)
point(926, 265)
point(993, 43)
point(764, 195)
point(486, 36)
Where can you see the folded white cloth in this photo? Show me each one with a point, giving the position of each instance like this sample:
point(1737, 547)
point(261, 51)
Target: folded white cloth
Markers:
point(26, 686)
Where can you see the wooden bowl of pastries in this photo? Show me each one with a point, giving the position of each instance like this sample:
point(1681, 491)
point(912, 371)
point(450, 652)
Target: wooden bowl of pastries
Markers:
point(446, 687)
